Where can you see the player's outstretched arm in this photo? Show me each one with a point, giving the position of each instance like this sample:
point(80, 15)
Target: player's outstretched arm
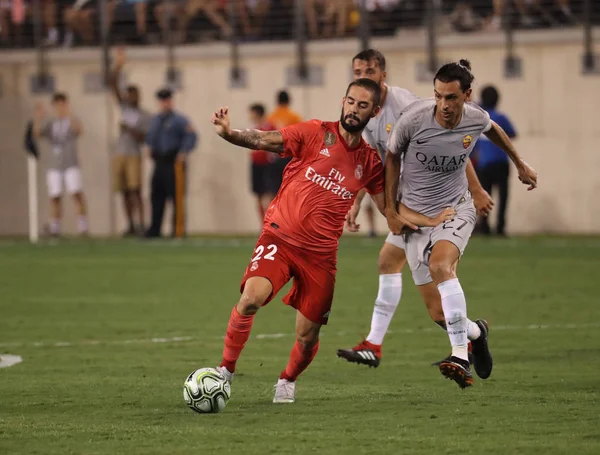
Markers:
point(527, 174)
point(270, 141)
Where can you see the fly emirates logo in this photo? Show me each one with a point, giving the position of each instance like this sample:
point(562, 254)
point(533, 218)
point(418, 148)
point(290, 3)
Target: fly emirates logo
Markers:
point(332, 182)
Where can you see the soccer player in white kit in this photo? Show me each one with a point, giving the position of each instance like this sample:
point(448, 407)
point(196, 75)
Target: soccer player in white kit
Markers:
point(431, 143)
point(392, 258)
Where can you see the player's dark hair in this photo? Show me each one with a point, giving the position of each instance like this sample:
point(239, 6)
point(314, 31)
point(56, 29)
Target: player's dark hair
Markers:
point(258, 109)
point(283, 97)
point(59, 97)
point(369, 85)
point(456, 71)
point(489, 97)
point(371, 54)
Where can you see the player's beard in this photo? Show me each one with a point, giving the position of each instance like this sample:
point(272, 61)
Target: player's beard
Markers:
point(352, 128)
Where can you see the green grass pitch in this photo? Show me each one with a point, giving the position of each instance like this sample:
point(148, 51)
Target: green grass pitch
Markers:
point(109, 330)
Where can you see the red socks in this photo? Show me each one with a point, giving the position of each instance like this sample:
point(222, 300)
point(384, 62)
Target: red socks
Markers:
point(238, 332)
point(300, 359)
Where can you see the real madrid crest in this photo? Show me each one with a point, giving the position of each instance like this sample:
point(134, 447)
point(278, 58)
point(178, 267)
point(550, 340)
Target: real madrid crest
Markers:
point(358, 172)
point(329, 139)
point(467, 141)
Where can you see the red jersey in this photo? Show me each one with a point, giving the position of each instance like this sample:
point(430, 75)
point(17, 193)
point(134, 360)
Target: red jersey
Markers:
point(320, 184)
point(260, 156)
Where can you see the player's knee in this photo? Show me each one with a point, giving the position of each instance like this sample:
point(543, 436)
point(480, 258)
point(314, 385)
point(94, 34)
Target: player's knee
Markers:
point(441, 270)
point(389, 263)
point(250, 303)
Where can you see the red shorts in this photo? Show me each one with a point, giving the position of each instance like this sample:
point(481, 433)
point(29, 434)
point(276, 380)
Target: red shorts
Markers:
point(313, 273)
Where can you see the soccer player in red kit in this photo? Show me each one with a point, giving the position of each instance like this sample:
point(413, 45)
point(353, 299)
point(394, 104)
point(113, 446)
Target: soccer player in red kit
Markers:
point(330, 164)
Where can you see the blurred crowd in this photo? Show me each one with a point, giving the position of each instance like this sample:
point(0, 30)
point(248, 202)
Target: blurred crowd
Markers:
point(68, 23)
point(168, 138)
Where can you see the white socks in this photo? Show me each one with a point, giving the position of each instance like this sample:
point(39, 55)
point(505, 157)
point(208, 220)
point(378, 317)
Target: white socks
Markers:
point(54, 226)
point(473, 330)
point(82, 224)
point(455, 312)
point(388, 297)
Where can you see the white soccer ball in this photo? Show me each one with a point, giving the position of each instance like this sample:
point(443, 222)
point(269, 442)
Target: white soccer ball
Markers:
point(206, 390)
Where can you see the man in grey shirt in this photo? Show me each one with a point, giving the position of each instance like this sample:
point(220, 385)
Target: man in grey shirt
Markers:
point(392, 257)
point(62, 131)
point(127, 161)
point(435, 138)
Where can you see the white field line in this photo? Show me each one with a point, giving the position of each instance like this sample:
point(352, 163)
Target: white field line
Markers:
point(267, 336)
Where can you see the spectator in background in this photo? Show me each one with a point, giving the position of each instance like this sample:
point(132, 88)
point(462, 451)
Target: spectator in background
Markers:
point(127, 162)
point(264, 182)
point(281, 117)
point(328, 18)
point(171, 139)
point(49, 18)
point(531, 13)
point(492, 163)
point(139, 7)
point(252, 14)
point(62, 132)
point(185, 11)
point(12, 16)
point(79, 20)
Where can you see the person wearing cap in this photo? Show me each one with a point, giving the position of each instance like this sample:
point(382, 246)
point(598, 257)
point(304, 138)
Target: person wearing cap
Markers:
point(170, 138)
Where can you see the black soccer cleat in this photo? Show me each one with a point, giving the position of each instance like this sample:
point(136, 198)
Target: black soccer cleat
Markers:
point(482, 357)
point(458, 370)
point(364, 353)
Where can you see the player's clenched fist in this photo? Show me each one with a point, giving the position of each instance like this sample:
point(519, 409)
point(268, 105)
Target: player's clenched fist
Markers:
point(220, 119)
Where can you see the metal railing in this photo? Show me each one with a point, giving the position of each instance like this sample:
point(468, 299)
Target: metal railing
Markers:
point(47, 24)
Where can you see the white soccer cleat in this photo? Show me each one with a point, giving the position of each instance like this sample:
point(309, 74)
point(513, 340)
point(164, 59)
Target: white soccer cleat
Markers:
point(285, 391)
point(225, 372)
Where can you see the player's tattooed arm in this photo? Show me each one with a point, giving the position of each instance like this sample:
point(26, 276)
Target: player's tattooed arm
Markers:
point(498, 136)
point(269, 141)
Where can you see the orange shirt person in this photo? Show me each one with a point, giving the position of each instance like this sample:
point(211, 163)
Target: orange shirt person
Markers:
point(280, 118)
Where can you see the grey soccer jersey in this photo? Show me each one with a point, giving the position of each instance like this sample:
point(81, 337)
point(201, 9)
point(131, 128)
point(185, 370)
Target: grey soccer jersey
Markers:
point(378, 130)
point(435, 158)
point(63, 142)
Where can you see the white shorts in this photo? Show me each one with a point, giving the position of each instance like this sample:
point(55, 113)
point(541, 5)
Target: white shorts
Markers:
point(396, 240)
point(71, 177)
point(419, 244)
